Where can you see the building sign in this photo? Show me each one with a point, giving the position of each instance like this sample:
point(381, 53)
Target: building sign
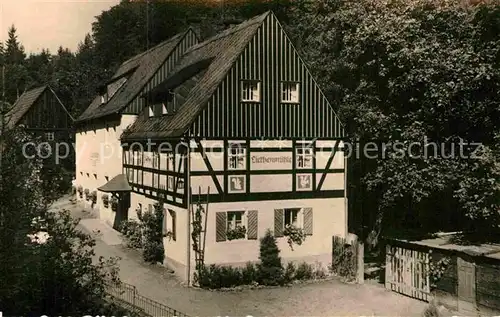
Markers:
point(236, 184)
point(271, 161)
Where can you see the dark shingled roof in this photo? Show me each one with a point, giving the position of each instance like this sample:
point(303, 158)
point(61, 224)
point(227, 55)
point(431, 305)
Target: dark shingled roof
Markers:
point(118, 183)
point(145, 64)
point(24, 103)
point(224, 49)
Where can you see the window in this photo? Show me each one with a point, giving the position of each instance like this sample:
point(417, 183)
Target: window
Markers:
point(304, 157)
point(155, 180)
point(139, 177)
point(250, 91)
point(170, 161)
point(292, 217)
point(95, 176)
point(236, 157)
point(173, 224)
point(164, 108)
point(156, 160)
point(180, 184)
point(298, 217)
point(139, 158)
point(104, 98)
point(49, 136)
point(290, 92)
point(151, 111)
point(106, 178)
point(234, 219)
point(139, 207)
point(170, 183)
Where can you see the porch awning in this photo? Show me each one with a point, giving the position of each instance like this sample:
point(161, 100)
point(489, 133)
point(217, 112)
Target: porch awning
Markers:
point(117, 184)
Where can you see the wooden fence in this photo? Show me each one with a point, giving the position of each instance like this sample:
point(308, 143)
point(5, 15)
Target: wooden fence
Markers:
point(126, 295)
point(345, 258)
point(407, 272)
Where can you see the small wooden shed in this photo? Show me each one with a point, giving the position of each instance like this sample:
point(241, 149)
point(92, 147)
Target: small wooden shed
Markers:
point(466, 278)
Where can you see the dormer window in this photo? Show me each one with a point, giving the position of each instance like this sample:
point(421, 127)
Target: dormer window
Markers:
point(250, 91)
point(290, 92)
point(164, 108)
point(104, 98)
point(151, 111)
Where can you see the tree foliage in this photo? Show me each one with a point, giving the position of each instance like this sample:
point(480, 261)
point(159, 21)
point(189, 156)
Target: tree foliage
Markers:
point(46, 263)
point(403, 71)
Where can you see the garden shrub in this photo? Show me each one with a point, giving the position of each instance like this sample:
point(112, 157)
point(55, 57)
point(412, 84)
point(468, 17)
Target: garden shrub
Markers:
point(289, 274)
point(218, 276)
point(270, 268)
point(249, 274)
point(132, 231)
point(152, 224)
point(304, 271)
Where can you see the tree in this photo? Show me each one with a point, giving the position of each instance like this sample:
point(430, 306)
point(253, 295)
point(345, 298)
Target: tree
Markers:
point(406, 71)
point(15, 69)
point(270, 268)
point(46, 263)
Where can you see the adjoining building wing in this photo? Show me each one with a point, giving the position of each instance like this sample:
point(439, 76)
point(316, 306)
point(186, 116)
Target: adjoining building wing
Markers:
point(131, 79)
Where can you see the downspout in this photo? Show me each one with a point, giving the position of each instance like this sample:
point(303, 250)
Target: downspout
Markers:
point(188, 204)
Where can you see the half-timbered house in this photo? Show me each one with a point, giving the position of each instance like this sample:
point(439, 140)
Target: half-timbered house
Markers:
point(240, 125)
point(98, 129)
point(42, 114)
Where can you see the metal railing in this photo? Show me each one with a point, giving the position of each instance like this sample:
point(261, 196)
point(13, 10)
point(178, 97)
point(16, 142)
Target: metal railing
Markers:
point(127, 295)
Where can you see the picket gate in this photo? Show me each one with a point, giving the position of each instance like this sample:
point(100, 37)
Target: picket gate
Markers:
point(407, 272)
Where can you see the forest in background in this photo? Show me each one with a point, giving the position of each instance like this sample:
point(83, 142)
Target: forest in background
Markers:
point(395, 70)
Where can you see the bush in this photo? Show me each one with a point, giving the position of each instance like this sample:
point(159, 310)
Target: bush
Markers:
point(132, 231)
point(152, 224)
point(217, 276)
point(270, 268)
point(105, 200)
point(289, 274)
point(304, 272)
point(249, 274)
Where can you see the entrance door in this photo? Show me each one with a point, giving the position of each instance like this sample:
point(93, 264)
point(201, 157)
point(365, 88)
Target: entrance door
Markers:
point(466, 286)
point(122, 211)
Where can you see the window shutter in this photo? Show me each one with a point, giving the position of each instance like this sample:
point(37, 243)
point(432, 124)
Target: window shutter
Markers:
point(253, 229)
point(308, 221)
point(278, 222)
point(220, 226)
point(164, 227)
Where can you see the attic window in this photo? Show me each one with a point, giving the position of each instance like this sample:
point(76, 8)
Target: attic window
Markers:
point(151, 111)
point(104, 98)
point(250, 91)
point(164, 109)
point(290, 92)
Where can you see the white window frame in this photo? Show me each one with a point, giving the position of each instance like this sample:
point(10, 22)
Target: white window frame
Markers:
point(50, 136)
point(236, 155)
point(297, 216)
point(170, 182)
point(232, 222)
point(288, 95)
point(304, 157)
point(250, 90)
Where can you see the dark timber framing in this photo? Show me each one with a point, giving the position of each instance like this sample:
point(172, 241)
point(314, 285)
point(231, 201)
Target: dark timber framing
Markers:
point(259, 50)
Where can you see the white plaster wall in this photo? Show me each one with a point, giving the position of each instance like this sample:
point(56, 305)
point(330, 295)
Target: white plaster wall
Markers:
point(329, 218)
point(99, 157)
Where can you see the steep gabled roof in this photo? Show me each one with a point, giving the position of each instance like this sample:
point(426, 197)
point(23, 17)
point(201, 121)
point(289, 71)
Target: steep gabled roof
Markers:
point(142, 68)
point(24, 103)
point(223, 50)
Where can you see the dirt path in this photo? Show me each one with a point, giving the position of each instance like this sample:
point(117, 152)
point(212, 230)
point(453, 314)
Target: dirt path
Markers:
point(328, 298)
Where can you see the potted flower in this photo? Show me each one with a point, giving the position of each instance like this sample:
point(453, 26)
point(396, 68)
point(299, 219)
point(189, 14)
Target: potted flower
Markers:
point(105, 200)
point(87, 194)
point(93, 197)
point(295, 235)
point(80, 191)
point(114, 204)
point(237, 233)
